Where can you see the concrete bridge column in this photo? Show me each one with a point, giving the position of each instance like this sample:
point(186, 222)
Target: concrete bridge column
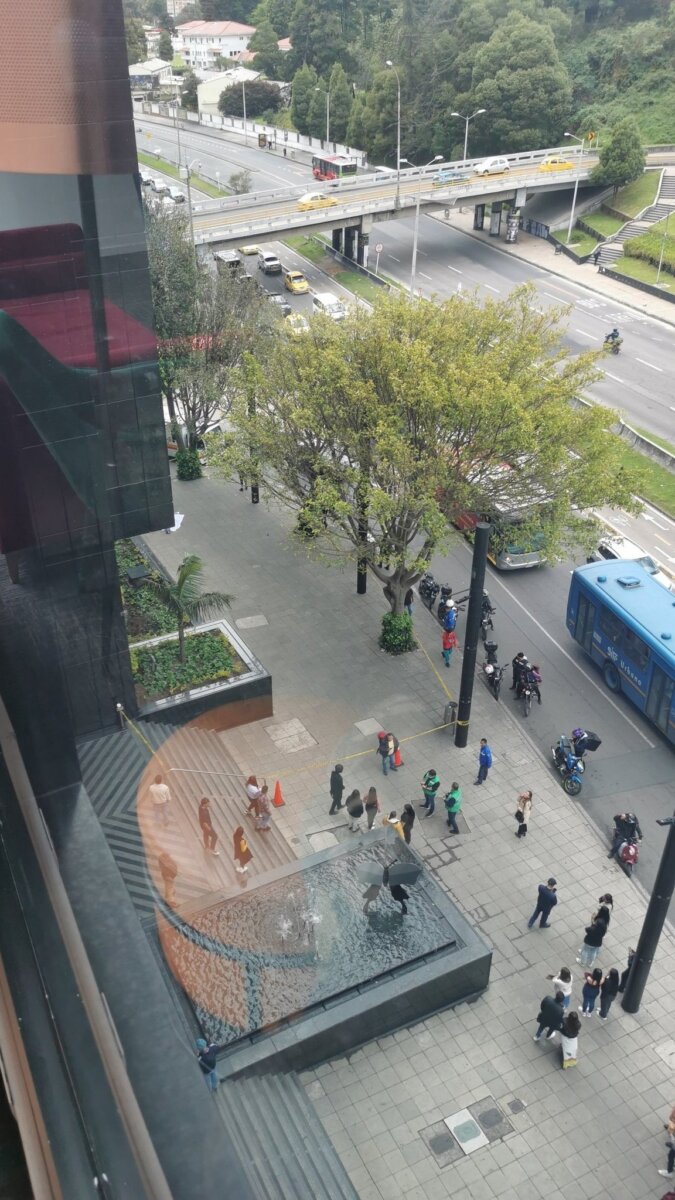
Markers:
point(338, 240)
point(478, 216)
point(351, 234)
point(362, 249)
point(496, 218)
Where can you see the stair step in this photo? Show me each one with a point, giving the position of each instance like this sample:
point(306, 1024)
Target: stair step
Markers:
point(256, 1161)
point(332, 1178)
point(284, 1158)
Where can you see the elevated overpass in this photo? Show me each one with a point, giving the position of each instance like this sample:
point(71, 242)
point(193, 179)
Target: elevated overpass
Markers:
point(355, 203)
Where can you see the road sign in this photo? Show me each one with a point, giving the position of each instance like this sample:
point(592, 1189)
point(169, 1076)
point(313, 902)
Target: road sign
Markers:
point(379, 248)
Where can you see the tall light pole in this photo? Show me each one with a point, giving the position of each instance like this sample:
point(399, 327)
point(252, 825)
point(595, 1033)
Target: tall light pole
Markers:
point(413, 270)
point(243, 98)
point(390, 64)
point(188, 170)
point(576, 183)
point(655, 918)
point(318, 89)
point(466, 120)
point(663, 247)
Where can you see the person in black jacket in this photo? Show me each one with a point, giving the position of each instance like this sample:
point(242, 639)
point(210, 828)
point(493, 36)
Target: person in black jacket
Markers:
point(608, 990)
point(626, 826)
point(206, 1057)
point(595, 932)
point(551, 1014)
point(336, 787)
point(547, 898)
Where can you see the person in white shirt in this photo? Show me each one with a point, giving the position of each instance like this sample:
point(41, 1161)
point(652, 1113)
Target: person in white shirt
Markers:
point(562, 982)
point(160, 796)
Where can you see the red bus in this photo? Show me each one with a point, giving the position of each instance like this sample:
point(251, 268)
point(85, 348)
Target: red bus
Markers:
point(333, 166)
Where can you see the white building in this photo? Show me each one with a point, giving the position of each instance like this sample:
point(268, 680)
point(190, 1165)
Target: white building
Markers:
point(208, 92)
point(205, 41)
point(151, 74)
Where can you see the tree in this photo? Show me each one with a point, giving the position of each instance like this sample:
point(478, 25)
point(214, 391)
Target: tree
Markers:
point(621, 157)
point(377, 430)
point(341, 98)
point(137, 46)
point(188, 95)
point(268, 57)
point(241, 182)
point(164, 48)
point(319, 32)
point(373, 120)
point(317, 113)
point(260, 97)
point(302, 94)
point(184, 598)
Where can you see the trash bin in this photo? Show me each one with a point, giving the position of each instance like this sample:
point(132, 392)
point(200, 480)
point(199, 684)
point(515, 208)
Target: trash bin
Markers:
point(450, 713)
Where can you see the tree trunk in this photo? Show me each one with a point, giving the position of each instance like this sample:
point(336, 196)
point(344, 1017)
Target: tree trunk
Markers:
point(181, 640)
point(394, 592)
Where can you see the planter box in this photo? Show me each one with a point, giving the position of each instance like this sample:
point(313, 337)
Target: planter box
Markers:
point(222, 705)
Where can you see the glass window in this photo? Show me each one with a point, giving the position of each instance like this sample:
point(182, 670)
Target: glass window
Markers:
point(612, 627)
point(635, 649)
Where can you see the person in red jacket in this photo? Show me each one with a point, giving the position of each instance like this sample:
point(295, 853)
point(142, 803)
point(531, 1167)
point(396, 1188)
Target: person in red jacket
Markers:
point(449, 643)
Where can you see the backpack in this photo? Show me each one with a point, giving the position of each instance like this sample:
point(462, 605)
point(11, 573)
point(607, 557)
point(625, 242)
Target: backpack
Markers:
point(450, 620)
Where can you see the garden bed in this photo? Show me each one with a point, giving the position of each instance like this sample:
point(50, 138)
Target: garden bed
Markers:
point(209, 658)
point(145, 616)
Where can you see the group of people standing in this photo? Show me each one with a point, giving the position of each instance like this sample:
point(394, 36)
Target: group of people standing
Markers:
point(369, 805)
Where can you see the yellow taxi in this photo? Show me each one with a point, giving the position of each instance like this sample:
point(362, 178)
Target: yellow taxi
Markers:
point(297, 323)
point(556, 162)
point(315, 200)
point(250, 249)
point(294, 281)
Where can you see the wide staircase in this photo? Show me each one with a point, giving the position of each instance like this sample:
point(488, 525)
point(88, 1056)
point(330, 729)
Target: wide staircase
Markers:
point(117, 770)
point(612, 250)
point(284, 1147)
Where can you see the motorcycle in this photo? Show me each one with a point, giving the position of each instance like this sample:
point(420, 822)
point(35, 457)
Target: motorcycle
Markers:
point(612, 345)
point(627, 855)
point(491, 649)
point(493, 675)
point(445, 602)
point(486, 614)
point(569, 765)
point(428, 589)
point(526, 697)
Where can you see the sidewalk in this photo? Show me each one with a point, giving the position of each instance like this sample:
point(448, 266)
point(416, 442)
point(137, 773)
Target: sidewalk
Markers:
point(540, 253)
point(593, 1133)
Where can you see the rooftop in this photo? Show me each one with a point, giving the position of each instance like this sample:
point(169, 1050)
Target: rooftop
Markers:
point(214, 28)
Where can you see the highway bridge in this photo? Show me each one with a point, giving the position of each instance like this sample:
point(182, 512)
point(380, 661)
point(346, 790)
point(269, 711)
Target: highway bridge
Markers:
point(353, 204)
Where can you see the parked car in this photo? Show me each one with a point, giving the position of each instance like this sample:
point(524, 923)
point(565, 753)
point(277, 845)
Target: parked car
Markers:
point(556, 162)
point(315, 200)
point(145, 177)
point(251, 248)
point(492, 166)
point(294, 281)
point(268, 262)
point(449, 175)
point(613, 547)
point(280, 302)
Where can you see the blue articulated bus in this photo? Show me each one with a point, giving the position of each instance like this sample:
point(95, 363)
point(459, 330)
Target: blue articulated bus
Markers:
point(625, 621)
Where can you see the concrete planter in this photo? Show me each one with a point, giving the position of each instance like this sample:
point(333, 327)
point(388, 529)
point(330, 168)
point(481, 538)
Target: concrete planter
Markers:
point(221, 705)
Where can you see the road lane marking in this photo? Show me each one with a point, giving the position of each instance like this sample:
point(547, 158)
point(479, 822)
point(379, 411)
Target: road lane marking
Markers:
point(423, 276)
point(588, 335)
point(648, 364)
point(662, 539)
point(615, 377)
point(492, 289)
point(654, 521)
point(587, 677)
point(394, 258)
point(455, 269)
point(552, 297)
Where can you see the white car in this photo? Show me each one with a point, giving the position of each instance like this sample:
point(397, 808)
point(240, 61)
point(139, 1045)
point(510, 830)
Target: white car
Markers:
point(177, 195)
point(492, 166)
point(613, 547)
point(159, 185)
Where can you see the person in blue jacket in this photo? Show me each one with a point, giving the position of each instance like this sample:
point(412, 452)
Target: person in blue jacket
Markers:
point(484, 761)
point(547, 898)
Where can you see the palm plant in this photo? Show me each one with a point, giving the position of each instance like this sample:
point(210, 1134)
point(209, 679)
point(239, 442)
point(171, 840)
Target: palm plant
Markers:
point(184, 598)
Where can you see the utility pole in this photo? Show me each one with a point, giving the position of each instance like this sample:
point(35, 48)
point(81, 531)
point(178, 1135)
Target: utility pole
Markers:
point(472, 632)
point(653, 923)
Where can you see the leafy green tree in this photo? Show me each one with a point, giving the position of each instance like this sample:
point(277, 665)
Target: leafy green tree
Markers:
point(268, 57)
point(302, 94)
point(621, 157)
point(165, 49)
point(188, 95)
point(137, 46)
point(240, 182)
point(375, 431)
point(373, 120)
point(341, 99)
point(260, 98)
point(318, 34)
point(317, 113)
point(185, 599)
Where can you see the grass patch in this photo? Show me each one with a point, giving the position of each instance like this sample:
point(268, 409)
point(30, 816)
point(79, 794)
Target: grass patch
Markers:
point(655, 484)
point(360, 285)
point(636, 268)
point(145, 616)
point(655, 245)
point(158, 672)
point(581, 243)
point(635, 196)
point(196, 181)
point(603, 223)
point(353, 281)
point(307, 247)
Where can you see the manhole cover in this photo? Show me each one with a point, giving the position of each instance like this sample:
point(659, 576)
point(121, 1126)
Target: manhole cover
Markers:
point(516, 1106)
point(490, 1118)
point(440, 1142)
point(466, 1130)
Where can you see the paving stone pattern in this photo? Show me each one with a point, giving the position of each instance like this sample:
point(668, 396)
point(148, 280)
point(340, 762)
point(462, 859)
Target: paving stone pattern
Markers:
point(592, 1133)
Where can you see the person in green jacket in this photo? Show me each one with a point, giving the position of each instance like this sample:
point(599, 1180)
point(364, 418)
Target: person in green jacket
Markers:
point(453, 805)
point(430, 785)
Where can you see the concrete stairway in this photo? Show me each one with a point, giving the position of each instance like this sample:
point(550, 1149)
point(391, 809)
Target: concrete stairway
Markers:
point(117, 770)
point(665, 203)
point(285, 1149)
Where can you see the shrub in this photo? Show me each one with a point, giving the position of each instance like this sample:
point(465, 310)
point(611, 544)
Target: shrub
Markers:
point(188, 465)
point(158, 671)
point(397, 633)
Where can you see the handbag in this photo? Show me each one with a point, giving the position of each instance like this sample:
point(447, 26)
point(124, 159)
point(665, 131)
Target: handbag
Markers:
point(520, 818)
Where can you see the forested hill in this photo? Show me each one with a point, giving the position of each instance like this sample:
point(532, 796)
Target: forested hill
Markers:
point(538, 68)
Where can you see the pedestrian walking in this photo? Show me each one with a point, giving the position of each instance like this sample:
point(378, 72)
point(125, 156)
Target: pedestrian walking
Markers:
point(253, 793)
point(449, 643)
point(547, 898)
point(551, 1013)
point(168, 869)
point(430, 785)
point(590, 991)
point(523, 810)
point(453, 806)
point(208, 832)
point(569, 1040)
point(518, 666)
point(372, 806)
point(400, 895)
point(392, 822)
point(595, 933)
point(355, 810)
point(336, 788)
point(484, 761)
point(160, 796)
point(407, 822)
point(562, 982)
point(670, 1143)
point(242, 854)
point(206, 1057)
point(263, 822)
point(608, 990)
point(626, 973)
point(596, 256)
point(387, 745)
point(409, 601)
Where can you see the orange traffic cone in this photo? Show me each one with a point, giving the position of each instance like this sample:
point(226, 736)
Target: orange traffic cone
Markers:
point(278, 798)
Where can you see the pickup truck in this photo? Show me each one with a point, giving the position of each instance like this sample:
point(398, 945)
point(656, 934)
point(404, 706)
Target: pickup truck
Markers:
point(449, 175)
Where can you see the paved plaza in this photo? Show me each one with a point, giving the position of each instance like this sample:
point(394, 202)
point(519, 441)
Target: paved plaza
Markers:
point(592, 1133)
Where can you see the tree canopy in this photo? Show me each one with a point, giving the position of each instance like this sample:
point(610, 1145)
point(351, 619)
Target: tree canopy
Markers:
point(261, 97)
point(621, 157)
point(378, 430)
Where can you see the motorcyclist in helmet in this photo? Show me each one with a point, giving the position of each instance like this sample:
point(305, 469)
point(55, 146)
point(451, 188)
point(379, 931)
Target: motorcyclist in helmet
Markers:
point(626, 828)
point(579, 741)
point(614, 336)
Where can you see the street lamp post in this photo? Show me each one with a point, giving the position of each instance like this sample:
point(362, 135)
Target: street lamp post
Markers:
point(576, 184)
point(390, 64)
point(466, 125)
point(243, 99)
point(413, 271)
point(188, 170)
point(654, 921)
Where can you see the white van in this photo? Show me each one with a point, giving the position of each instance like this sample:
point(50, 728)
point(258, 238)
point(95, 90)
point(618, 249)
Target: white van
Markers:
point(613, 547)
point(177, 195)
point(268, 263)
point(159, 185)
point(326, 302)
point(492, 166)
